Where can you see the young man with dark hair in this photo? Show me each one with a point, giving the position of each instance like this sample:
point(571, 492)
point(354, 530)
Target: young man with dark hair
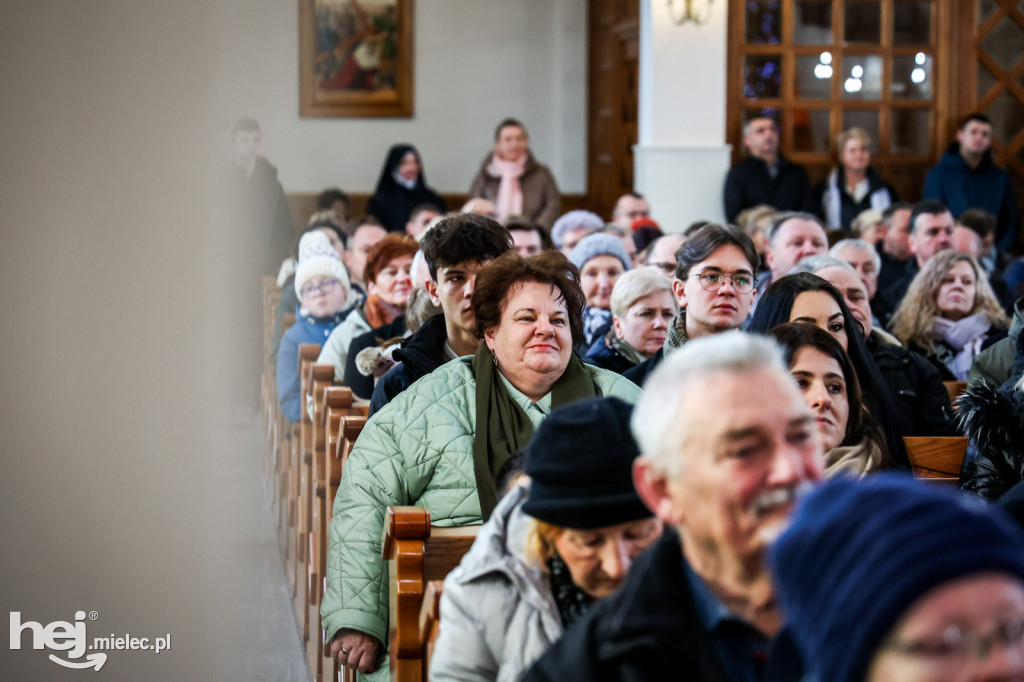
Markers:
point(456, 249)
point(967, 177)
point(714, 285)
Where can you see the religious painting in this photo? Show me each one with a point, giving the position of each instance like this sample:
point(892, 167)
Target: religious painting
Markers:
point(355, 58)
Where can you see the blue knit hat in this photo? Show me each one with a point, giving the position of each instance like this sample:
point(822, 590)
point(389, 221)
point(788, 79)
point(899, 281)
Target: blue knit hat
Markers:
point(858, 554)
point(599, 244)
point(580, 463)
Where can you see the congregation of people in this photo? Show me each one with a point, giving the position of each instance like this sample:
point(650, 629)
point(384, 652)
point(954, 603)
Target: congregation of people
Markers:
point(684, 444)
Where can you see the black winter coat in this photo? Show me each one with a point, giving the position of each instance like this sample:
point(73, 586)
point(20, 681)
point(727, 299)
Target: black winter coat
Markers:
point(419, 355)
point(919, 401)
point(639, 374)
point(749, 183)
point(361, 384)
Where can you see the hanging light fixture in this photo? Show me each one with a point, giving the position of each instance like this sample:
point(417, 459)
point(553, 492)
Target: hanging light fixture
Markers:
point(697, 11)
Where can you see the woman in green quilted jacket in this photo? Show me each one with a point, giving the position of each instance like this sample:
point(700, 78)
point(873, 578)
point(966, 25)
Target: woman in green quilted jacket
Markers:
point(440, 443)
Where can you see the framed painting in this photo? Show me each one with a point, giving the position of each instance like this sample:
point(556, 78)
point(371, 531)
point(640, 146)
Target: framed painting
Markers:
point(355, 58)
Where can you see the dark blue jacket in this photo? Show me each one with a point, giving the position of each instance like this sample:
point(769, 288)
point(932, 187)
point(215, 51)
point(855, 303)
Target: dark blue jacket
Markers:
point(604, 356)
point(987, 187)
point(307, 329)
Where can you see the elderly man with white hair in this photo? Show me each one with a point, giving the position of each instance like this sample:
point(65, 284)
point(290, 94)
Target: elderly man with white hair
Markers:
point(728, 445)
point(919, 401)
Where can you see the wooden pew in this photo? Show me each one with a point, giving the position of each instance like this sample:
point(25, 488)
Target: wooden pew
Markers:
point(417, 553)
point(302, 445)
point(936, 458)
point(430, 620)
point(954, 389)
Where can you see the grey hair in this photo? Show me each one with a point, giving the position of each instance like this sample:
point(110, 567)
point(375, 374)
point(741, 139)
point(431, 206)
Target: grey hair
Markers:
point(812, 264)
point(656, 422)
point(1019, 386)
point(784, 217)
point(858, 244)
point(631, 286)
point(574, 220)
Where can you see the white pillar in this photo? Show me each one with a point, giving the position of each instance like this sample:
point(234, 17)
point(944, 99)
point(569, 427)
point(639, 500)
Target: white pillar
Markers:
point(681, 156)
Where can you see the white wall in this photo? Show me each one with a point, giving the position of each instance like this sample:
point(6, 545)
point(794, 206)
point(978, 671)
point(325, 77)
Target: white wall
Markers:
point(681, 157)
point(477, 61)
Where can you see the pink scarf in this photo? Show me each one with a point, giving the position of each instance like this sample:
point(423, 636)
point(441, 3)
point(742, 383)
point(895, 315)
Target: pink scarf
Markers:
point(510, 194)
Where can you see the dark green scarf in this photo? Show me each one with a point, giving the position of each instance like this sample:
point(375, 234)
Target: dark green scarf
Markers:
point(502, 427)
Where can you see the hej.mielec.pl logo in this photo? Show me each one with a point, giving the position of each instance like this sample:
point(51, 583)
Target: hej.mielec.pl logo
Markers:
point(71, 638)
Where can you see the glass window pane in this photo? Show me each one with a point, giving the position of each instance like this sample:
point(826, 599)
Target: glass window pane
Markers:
point(762, 76)
point(985, 9)
point(1006, 113)
point(863, 23)
point(985, 80)
point(910, 131)
point(912, 77)
point(1003, 43)
point(814, 76)
point(862, 77)
point(810, 130)
point(912, 23)
point(764, 22)
point(812, 23)
point(860, 118)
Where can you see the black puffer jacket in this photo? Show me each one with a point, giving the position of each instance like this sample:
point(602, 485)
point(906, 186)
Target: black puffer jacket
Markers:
point(420, 354)
point(919, 401)
point(993, 420)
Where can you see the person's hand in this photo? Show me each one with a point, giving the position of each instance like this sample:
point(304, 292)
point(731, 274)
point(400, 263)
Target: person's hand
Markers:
point(354, 649)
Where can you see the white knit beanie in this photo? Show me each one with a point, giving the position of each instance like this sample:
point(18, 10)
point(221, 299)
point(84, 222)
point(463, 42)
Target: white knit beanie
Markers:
point(317, 257)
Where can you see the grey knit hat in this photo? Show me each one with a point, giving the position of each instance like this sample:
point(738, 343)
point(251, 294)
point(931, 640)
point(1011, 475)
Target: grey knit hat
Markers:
point(599, 244)
point(317, 257)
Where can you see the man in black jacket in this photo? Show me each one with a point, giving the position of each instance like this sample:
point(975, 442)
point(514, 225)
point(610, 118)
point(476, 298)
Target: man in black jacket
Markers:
point(456, 249)
point(728, 445)
point(766, 177)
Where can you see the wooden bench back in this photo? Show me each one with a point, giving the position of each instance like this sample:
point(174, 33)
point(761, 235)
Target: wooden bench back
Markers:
point(936, 458)
point(417, 553)
point(954, 389)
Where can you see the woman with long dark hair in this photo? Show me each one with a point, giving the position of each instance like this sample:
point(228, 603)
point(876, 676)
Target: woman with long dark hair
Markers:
point(808, 298)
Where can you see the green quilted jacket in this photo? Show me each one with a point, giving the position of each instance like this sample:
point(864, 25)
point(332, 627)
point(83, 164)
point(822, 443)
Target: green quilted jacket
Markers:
point(418, 450)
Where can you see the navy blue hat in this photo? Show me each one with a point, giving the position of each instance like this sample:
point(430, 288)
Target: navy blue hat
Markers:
point(858, 554)
point(580, 463)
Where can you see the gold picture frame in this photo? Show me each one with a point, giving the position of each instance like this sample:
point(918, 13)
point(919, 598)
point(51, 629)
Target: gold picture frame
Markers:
point(355, 58)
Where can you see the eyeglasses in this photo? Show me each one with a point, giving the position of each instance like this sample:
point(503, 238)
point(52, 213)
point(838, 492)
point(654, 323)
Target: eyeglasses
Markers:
point(956, 642)
point(713, 281)
point(324, 287)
